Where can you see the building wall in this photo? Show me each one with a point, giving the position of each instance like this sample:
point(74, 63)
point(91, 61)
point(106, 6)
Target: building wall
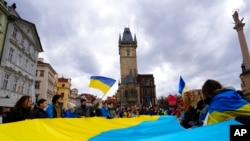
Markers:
point(147, 89)
point(4, 14)
point(63, 88)
point(18, 63)
point(45, 81)
point(128, 59)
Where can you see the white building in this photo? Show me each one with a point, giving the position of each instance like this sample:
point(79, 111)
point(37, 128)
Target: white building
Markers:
point(45, 80)
point(19, 59)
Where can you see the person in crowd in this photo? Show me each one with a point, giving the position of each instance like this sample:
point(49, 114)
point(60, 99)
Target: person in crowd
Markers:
point(82, 110)
point(70, 112)
point(21, 111)
point(224, 102)
point(111, 110)
point(104, 110)
point(119, 111)
point(54, 109)
point(2, 114)
point(39, 111)
point(95, 110)
point(190, 117)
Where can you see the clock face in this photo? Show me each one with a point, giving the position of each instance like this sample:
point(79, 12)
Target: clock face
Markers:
point(127, 51)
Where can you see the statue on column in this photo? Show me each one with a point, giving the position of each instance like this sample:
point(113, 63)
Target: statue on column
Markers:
point(236, 17)
point(237, 21)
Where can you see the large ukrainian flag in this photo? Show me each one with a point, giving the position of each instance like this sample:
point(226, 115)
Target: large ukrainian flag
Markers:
point(225, 105)
point(101, 83)
point(143, 128)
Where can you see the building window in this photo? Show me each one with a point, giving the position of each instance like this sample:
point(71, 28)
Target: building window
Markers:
point(37, 85)
point(5, 81)
point(28, 89)
point(14, 33)
point(15, 84)
point(63, 85)
point(22, 41)
point(62, 94)
point(22, 87)
point(41, 73)
point(36, 72)
point(128, 52)
point(20, 57)
point(11, 52)
point(26, 64)
point(146, 82)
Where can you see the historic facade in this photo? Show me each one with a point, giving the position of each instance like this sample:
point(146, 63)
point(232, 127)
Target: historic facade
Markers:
point(18, 61)
point(45, 80)
point(130, 90)
point(64, 89)
point(4, 14)
point(147, 90)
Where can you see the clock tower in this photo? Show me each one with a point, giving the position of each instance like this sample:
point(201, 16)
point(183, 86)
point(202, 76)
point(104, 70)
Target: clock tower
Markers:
point(128, 90)
point(127, 52)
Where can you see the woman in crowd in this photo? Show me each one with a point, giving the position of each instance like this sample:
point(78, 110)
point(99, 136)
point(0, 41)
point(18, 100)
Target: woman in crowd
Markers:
point(21, 111)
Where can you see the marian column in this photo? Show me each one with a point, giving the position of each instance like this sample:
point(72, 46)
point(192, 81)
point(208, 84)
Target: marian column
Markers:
point(245, 75)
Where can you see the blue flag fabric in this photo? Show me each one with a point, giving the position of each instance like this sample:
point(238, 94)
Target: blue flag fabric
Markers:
point(149, 102)
point(182, 86)
point(227, 104)
point(101, 83)
point(142, 128)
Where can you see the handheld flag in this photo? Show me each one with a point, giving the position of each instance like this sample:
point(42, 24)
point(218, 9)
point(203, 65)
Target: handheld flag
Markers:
point(182, 86)
point(101, 83)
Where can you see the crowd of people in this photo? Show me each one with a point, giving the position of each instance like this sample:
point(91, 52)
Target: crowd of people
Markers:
point(215, 104)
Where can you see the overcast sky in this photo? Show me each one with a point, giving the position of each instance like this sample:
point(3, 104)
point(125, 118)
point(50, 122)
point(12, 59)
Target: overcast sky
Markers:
point(191, 38)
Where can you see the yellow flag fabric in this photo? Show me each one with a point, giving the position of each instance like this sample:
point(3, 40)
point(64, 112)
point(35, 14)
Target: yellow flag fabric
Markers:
point(65, 129)
point(143, 128)
point(101, 83)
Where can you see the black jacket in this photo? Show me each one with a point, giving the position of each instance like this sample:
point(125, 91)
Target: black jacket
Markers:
point(19, 115)
point(40, 113)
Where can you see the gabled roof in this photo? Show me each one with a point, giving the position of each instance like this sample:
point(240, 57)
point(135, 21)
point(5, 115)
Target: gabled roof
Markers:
point(63, 79)
point(26, 26)
point(129, 78)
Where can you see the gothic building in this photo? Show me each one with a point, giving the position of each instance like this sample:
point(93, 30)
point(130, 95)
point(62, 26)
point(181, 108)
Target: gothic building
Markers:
point(131, 90)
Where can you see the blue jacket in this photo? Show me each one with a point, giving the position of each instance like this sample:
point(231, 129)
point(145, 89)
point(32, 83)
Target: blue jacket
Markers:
point(51, 112)
point(105, 112)
point(70, 114)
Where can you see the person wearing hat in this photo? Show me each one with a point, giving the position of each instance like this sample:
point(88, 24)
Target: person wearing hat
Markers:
point(70, 113)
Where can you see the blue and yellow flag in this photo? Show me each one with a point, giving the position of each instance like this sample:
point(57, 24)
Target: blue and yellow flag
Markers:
point(142, 128)
point(149, 102)
point(101, 83)
point(225, 105)
point(182, 86)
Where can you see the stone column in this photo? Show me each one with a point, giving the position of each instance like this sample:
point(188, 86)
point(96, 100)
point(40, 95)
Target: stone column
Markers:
point(245, 75)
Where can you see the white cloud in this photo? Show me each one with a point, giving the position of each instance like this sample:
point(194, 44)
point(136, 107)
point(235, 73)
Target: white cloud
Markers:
point(190, 38)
